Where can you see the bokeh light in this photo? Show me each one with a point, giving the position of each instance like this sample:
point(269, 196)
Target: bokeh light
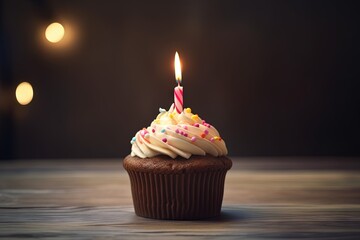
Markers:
point(54, 32)
point(24, 93)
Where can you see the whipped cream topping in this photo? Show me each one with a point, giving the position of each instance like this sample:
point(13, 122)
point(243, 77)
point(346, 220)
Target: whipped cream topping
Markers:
point(175, 134)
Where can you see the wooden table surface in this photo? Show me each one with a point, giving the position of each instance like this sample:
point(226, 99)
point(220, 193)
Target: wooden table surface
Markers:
point(265, 198)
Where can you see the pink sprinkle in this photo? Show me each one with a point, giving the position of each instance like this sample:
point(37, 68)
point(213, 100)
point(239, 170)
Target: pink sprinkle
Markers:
point(153, 130)
point(185, 134)
point(185, 127)
point(203, 122)
point(164, 140)
point(206, 132)
point(177, 131)
point(212, 139)
point(193, 139)
point(143, 132)
point(196, 125)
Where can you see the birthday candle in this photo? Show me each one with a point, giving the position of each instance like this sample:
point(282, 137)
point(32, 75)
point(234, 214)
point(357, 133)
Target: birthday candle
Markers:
point(178, 91)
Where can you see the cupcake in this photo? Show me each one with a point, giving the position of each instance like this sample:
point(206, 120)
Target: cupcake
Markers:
point(177, 167)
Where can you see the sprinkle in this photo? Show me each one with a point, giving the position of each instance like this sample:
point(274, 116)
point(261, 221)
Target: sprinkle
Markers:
point(133, 140)
point(153, 130)
point(206, 124)
point(147, 135)
point(194, 117)
point(143, 132)
point(193, 139)
point(162, 110)
point(185, 127)
point(217, 138)
point(185, 135)
point(188, 110)
point(212, 139)
point(164, 140)
point(196, 125)
point(206, 131)
point(203, 135)
point(163, 130)
point(203, 122)
point(171, 115)
point(177, 131)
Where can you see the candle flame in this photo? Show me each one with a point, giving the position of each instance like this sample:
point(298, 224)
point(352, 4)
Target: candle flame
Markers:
point(177, 68)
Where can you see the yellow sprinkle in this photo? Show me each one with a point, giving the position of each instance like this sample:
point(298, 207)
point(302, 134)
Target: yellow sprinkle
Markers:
point(171, 115)
point(216, 138)
point(188, 110)
point(194, 117)
point(157, 120)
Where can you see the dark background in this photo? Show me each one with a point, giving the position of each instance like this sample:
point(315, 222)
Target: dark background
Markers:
point(274, 77)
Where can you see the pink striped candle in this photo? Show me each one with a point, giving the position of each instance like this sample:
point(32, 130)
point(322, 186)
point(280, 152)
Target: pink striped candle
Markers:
point(178, 98)
point(178, 91)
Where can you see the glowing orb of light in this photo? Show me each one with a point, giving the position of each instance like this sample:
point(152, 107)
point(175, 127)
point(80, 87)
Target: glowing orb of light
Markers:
point(54, 32)
point(24, 93)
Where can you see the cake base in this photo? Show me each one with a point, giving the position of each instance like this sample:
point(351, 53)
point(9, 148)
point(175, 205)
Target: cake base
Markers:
point(178, 189)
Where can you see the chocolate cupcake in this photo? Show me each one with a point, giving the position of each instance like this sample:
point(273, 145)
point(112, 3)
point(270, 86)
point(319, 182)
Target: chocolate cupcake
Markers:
point(177, 167)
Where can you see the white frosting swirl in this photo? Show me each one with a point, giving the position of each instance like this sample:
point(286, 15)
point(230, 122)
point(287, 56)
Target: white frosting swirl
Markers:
point(175, 134)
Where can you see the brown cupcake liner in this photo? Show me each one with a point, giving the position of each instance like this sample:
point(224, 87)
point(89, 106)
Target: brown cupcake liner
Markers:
point(193, 195)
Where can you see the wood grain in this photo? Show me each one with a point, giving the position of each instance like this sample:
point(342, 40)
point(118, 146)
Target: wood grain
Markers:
point(264, 199)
